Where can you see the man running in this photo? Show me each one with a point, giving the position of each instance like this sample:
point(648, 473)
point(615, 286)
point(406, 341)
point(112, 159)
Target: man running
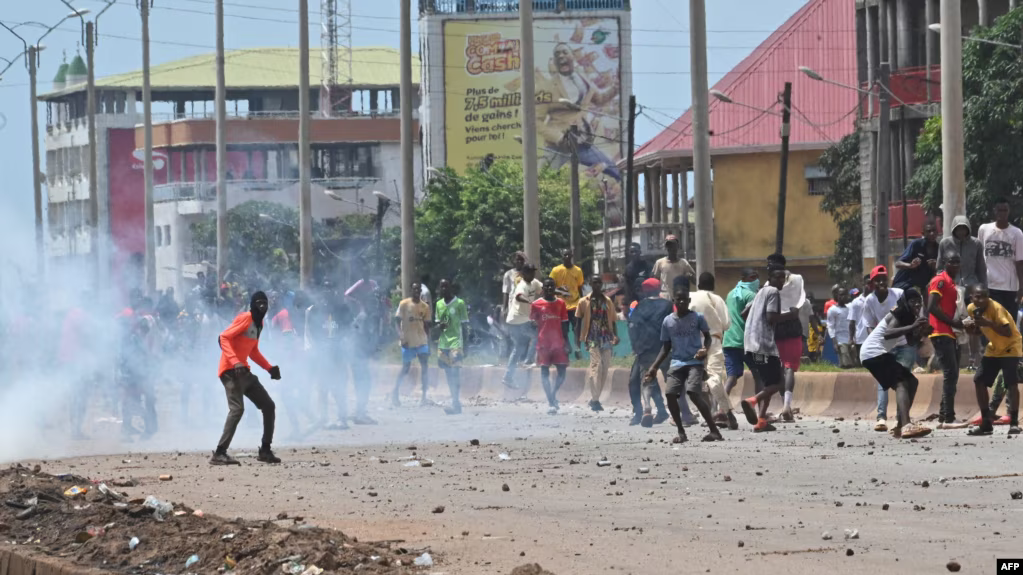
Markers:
point(1002, 354)
point(876, 355)
point(737, 302)
point(714, 311)
point(599, 331)
point(238, 343)
point(411, 321)
point(762, 350)
point(681, 336)
point(645, 324)
point(452, 317)
point(520, 329)
point(671, 268)
point(570, 281)
point(941, 308)
point(788, 334)
point(550, 316)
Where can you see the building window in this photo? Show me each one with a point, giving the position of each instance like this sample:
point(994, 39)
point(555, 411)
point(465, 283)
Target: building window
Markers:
point(159, 236)
point(817, 181)
point(166, 236)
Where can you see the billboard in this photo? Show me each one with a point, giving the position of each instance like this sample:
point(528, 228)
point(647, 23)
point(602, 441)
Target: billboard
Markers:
point(578, 80)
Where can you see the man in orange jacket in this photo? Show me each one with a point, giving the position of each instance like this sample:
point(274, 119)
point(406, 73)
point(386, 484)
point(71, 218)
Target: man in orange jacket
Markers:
point(238, 343)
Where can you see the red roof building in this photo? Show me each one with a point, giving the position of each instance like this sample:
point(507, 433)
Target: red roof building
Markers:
point(745, 150)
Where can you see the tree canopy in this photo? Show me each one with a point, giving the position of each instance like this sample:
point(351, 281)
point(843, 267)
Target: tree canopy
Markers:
point(842, 202)
point(468, 226)
point(992, 125)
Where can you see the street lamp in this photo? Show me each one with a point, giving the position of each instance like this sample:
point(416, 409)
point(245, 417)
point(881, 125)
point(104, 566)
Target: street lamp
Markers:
point(810, 73)
point(722, 97)
point(936, 28)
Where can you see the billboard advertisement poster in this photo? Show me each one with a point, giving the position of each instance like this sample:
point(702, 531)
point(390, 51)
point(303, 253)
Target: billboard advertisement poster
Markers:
point(578, 80)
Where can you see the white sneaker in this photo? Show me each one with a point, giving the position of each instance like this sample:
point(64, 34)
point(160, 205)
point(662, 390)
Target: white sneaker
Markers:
point(881, 425)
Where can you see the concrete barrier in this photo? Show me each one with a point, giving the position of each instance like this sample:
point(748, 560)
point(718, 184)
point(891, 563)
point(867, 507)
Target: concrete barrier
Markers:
point(837, 394)
point(24, 562)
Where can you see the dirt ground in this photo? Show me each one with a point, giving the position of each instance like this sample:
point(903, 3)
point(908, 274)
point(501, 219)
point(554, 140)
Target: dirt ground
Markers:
point(532, 491)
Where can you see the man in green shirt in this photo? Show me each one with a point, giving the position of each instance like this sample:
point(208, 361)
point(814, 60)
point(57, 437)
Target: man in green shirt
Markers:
point(737, 301)
point(452, 317)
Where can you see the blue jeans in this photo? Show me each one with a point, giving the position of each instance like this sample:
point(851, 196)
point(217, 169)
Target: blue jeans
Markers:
point(906, 356)
point(522, 336)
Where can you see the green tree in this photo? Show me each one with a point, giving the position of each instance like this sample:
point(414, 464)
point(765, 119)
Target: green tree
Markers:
point(468, 226)
point(992, 126)
point(842, 202)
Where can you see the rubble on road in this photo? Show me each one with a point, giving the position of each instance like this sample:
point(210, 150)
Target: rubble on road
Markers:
point(110, 531)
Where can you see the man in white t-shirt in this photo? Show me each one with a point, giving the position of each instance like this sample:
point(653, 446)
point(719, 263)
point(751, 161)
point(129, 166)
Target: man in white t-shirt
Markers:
point(1003, 257)
point(857, 329)
point(527, 290)
point(882, 300)
point(715, 312)
point(672, 268)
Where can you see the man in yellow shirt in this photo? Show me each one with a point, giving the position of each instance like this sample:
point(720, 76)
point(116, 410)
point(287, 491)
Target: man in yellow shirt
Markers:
point(569, 279)
point(1003, 352)
point(411, 322)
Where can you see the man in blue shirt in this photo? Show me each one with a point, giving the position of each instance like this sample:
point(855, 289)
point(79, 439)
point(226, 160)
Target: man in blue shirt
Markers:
point(681, 339)
point(918, 264)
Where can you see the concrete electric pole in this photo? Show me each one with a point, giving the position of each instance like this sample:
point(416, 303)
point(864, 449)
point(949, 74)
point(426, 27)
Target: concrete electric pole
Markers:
point(147, 118)
point(220, 105)
point(305, 199)
point(884, 166)
point(953, 170)
point(786, 118)
point(90, 110)
point(37, 184)
point(701, 137)
point(530, 192)
point(408, 192)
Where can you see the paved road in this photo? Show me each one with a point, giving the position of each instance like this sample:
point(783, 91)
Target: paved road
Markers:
point(751, 502)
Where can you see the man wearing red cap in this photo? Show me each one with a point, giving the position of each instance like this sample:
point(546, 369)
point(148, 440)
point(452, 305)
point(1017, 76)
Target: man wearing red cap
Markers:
point(645, 335)
point(671, 268)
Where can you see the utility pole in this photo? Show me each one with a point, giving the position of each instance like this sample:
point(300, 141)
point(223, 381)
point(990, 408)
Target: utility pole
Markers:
point(408, 192)
point(382, 206)
point(701, 137)
point(953, 171)
point(884, 167)
point(786, 115)
point(37, 185)
point(530, 195)
point(220, 104)
point(147, 114)
point(606, 264)
point(90, 110)
point(305, 198)
point(629, 185)
point(575, 226)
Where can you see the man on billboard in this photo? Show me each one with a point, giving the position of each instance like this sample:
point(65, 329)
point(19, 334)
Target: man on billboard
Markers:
point(564, 125)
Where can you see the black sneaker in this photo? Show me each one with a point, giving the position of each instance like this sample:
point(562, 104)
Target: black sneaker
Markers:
point(223, 459)
point(1014, 430)
point(661, 417)
point(267, 456)
point(636, 419)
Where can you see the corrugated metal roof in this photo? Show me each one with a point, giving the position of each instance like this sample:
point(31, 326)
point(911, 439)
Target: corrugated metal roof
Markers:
point(822, 36)
point(260, 68)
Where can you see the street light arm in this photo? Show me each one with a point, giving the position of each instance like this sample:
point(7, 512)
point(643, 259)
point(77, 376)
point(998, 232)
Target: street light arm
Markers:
point(18, 36)
point(110, 3)
point(74, 12)
point(815, 76)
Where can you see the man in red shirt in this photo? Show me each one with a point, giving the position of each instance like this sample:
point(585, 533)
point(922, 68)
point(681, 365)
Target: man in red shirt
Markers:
point(550, 315)
point(941, 308)
point(238, 343)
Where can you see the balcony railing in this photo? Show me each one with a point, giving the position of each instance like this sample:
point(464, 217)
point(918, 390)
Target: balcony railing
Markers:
point(511, 6)
point(275, 114)
point(207, 191)
point(908, 86)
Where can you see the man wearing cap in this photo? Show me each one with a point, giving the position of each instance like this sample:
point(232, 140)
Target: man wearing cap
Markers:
point(876, 306)
point(671, 268)
point(645, 335)
point(637, 272)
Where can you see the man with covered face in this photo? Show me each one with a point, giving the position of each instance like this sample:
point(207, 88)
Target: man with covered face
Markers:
point(238, 343)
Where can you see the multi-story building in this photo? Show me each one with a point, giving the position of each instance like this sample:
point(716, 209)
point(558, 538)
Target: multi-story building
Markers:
point(355, 151)
point(897, 32)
